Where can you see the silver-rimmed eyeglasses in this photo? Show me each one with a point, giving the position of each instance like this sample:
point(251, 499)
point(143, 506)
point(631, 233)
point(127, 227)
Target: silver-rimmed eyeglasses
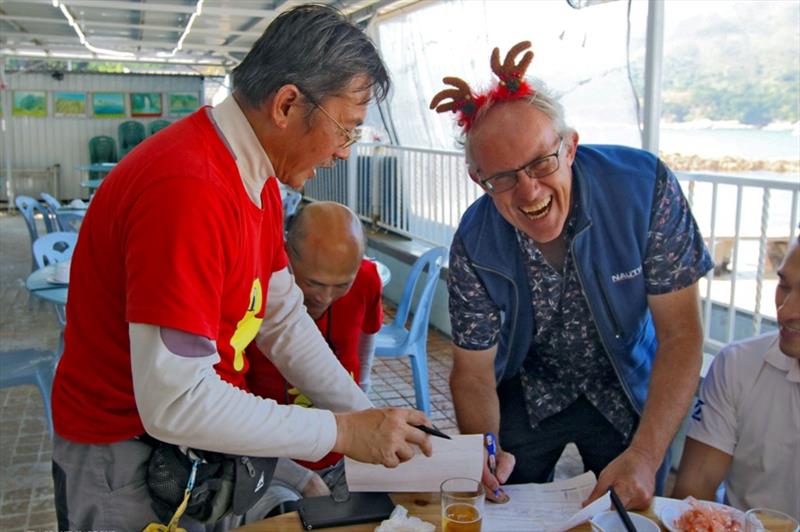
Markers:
point(351, 135)
point(536, 169)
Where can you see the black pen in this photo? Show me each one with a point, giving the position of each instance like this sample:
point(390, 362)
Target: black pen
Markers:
point(432, 431)
point(623, 514)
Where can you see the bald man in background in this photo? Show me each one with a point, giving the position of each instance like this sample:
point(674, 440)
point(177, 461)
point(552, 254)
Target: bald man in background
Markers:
point(342, 293)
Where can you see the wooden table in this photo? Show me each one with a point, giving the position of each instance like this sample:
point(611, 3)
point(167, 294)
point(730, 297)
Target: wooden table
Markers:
point(422, 505)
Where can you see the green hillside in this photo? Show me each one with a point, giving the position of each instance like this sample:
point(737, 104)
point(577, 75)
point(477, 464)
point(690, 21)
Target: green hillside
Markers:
point(742, 64)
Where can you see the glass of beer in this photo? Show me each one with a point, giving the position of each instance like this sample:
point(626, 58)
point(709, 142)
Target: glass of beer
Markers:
point(462, 505)
point(766, 520)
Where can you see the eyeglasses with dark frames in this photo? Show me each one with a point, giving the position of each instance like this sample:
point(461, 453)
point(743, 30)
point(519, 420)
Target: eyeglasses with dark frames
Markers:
point(351, 135)
point(536, 169)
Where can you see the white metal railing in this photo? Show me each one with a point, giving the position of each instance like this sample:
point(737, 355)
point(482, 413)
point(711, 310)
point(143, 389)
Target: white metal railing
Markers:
point(747, 221)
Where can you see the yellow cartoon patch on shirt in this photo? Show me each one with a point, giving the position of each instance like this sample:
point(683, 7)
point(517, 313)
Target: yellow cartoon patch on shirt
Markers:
point(296, 397)
point(248, 326)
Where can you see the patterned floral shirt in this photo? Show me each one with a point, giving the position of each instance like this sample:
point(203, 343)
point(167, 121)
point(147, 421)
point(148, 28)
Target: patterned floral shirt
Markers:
point(570, 359)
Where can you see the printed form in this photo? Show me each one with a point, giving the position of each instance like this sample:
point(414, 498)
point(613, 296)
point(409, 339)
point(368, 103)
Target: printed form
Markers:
point(552, 507)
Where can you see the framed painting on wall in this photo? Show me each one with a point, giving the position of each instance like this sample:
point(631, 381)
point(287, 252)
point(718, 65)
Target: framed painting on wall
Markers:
point(145, 104)
point(69, 103)
point(108, 104)
point(183, 103)
point(29, 103)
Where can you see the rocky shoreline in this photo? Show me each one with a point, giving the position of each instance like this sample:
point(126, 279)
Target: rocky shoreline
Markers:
point(695, 163)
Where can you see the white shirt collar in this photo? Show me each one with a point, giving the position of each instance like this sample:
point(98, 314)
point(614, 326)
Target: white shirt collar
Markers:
point(775, 357)
point(251, 159)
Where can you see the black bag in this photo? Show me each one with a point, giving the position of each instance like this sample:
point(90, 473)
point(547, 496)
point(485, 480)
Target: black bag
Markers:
point(224, 482)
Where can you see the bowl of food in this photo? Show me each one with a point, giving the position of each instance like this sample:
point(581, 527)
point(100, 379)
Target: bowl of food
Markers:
point(691, 515)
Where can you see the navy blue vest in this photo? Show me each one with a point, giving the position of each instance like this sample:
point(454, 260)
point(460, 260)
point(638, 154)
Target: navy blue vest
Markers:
point(615, 186)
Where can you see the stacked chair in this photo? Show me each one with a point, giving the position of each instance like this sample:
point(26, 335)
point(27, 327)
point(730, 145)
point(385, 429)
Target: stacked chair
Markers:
point(29, 207)
point(157, 125)
point(102, 149)
point(131, 133)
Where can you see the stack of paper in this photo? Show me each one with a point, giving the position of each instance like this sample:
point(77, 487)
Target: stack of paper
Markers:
point(554, 507)
point(461, 456)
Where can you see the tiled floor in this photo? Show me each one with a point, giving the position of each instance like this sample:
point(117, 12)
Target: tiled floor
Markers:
point(26, 492)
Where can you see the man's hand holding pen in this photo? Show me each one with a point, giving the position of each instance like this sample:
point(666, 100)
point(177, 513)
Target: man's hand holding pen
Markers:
point(497, 468)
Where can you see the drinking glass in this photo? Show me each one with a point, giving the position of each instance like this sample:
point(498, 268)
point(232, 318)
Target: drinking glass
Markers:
point(462, 505)
point(766, 520)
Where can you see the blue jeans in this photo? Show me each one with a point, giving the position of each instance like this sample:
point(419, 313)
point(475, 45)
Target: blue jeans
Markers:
point(537, 450)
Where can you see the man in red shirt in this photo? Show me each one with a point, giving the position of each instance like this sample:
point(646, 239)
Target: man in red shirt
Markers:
point(342, 293)
point(179, 255)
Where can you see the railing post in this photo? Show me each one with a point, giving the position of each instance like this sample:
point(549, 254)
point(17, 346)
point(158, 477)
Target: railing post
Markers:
point(377, 181)
point(654, 53)
point(762, 253)
point(352, 180)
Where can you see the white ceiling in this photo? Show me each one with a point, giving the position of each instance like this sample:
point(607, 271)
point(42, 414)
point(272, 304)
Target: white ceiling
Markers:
point(150, 30)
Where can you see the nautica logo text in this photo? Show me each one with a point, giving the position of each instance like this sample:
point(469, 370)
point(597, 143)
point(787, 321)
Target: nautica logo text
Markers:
point(624, 276)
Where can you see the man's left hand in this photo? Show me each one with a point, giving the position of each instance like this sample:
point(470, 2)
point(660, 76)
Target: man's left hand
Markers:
point(633, 475)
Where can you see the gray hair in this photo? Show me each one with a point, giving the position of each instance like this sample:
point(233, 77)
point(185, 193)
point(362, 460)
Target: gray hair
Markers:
point(315, 48)
point(543, 99)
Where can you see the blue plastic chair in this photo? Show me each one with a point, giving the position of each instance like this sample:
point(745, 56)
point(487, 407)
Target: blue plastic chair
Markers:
point(30, 366)
point(70, 221)
point(290, 203)
point(395, 340)
point(54, 247)
point(51, 205)
point(50, 200)
point(29, 207)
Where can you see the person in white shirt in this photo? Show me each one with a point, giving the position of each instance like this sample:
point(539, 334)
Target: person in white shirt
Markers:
point(745, 427)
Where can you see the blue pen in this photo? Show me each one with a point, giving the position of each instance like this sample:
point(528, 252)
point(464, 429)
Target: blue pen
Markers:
point(491, 447)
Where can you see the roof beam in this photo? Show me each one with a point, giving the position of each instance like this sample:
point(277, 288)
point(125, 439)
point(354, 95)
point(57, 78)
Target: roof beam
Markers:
point(83, 55)
point(122, 41)
point(170, 8)
point(95, 24)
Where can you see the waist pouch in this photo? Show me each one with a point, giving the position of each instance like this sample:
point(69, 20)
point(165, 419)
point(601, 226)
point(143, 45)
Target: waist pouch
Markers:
point(224, 482)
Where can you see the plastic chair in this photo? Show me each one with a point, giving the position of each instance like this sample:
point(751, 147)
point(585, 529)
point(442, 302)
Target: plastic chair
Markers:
point(131, 133)
point(51, 205)
point(30, 366)
point(50, 200)
point(157, 125)
point(50, 249)
point(395, 340)
point(70, 221)
point(29, 207)
point(54, 247)
point(102, 149)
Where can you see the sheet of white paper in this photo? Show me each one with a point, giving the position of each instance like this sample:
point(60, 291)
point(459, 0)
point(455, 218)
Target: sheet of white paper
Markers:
point(554, 507)
point(461, 456)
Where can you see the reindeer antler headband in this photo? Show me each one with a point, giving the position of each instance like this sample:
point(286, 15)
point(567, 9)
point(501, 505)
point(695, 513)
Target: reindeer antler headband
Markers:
point(511, 86)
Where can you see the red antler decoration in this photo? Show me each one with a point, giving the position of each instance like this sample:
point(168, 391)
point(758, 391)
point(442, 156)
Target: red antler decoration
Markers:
point(511, 86)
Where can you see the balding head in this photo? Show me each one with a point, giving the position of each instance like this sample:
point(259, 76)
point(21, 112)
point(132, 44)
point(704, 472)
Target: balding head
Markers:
point(325, 244)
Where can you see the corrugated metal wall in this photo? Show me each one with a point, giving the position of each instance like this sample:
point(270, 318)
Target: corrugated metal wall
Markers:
point(36, 143)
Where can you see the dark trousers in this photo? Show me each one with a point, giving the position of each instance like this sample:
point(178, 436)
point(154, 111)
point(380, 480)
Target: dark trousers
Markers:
point(537, 450)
